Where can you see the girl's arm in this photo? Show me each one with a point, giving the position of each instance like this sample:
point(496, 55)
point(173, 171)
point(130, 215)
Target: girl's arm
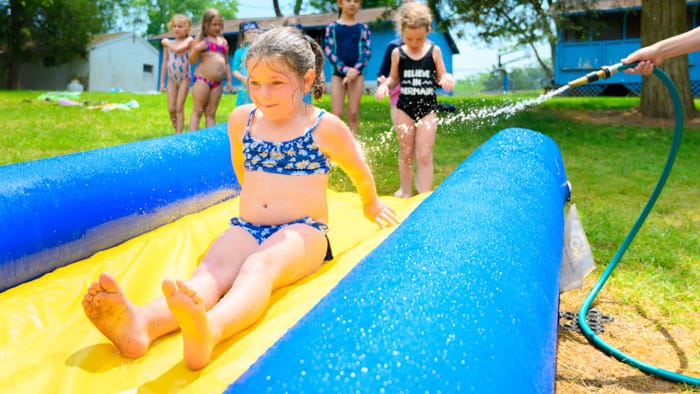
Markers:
point(237, 60)
point(198, 45)
point(329, 49)
point(656, 53)
point(392, 80)
point(385, 68)
point(164, 69)
point(394, 69)
point(445, 79)
point(229, 85)
point(365, 49)
point(181, 46)
point(335, 139)
point(236, 127)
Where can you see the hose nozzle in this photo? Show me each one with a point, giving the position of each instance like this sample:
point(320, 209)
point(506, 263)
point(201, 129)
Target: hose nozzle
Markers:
point(604, 72)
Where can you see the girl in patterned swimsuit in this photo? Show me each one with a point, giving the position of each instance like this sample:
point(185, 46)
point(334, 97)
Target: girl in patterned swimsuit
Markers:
point(281, 149)
point(417, 66)
point(211, 50)
point(177, 69)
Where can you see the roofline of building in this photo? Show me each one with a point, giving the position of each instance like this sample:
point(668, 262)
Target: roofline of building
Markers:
point(377, 16)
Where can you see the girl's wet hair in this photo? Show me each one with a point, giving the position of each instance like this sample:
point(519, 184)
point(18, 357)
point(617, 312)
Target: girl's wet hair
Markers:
point(413, 15)
point(293, 48)
point(207, 17)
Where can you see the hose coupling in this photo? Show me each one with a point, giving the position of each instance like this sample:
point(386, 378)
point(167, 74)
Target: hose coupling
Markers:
point(604, 72)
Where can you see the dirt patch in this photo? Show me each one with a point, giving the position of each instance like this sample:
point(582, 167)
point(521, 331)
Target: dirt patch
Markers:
point(582, 368)
point(628, 117)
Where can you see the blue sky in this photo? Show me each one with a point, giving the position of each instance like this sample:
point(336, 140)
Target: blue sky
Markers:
point(473, 57)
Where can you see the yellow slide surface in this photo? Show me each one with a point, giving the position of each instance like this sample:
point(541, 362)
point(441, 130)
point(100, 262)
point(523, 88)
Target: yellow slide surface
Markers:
point(47, 345)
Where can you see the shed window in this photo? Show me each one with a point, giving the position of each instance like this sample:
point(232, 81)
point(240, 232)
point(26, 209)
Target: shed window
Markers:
point(608, 26)
point(693, 17)
point(634, 23)
point(148, 68)
point(575, 29)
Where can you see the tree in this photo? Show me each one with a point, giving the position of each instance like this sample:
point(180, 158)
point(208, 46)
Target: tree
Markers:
point(523, 22)
point(662, 19)
point(157, 14)
point(51, 31)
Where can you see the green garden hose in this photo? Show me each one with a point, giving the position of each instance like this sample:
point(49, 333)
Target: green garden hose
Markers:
point(606, 72)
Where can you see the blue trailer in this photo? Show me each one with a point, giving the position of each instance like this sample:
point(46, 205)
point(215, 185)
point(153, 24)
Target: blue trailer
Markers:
point(612, 33)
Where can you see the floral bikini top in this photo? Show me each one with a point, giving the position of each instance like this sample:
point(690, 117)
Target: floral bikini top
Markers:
point(214, 47)
point(298, 156)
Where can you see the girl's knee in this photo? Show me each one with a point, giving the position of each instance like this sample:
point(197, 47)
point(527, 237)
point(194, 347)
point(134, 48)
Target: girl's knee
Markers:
point(424, 158)
point(256, 265)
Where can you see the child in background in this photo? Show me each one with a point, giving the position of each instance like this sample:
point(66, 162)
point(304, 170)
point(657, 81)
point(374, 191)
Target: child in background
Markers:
point(248, 31)
point(211, 50)
point(347, 46)
point(417, 66)
point(294, 22)
point(177, 68)
point(281, 150)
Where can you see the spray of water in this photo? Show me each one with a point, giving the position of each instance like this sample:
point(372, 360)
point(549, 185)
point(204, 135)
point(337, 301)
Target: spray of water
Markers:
point(375, 143)
point(495, 112)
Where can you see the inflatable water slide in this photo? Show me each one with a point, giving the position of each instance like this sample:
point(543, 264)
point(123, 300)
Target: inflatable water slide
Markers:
point(461, 296)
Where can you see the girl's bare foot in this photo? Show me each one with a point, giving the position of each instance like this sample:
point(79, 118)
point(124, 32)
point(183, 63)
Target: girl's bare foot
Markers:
point(116, 317)
point(191, 315)
point(400, 194)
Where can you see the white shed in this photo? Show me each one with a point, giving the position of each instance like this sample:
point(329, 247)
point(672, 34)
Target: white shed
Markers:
point(120, 61)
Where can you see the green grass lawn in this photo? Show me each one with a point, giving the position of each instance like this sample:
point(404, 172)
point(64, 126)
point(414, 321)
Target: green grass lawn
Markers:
point(613, 169)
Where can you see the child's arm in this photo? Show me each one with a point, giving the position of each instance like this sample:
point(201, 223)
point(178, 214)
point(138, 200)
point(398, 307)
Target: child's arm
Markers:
point(197, 47)
point(657, 53)
point(237, 60)
point(236, 127)
point(365, 49)
point(164, 68)
point(335, 139)
point(229, 79)
point(329, 50)
point(392, 80)
point(385, 68)
point(445, 79)
point(181, 46)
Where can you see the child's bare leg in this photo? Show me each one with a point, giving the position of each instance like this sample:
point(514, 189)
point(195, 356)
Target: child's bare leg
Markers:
point(172, 102)
point(131, 328)
point(338, 96)
point(212, 106)
point(183, 87)
point(354, 89)
point(287, 256)
point(191, 316)
point(425, 141)
point(405, 134)
point(200, 96)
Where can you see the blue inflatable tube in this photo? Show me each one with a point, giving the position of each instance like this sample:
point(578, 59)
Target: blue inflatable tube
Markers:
point(60, 210)
point(462, 296)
